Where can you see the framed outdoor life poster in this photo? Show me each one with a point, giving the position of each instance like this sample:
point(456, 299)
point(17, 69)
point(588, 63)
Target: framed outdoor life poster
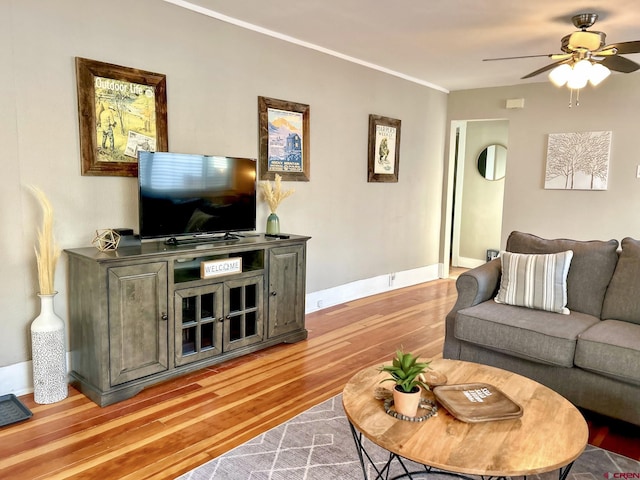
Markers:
point(121, 111)
point(284, 139)
point(384, 149)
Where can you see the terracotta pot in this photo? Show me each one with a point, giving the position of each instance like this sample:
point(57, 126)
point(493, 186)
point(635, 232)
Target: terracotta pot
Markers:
point(406, 403)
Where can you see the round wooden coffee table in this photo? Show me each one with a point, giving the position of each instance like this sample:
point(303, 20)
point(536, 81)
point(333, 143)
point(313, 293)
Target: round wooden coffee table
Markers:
point(550, 434)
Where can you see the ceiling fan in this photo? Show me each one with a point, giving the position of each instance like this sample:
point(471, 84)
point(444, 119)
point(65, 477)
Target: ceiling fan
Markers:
point(587, 45)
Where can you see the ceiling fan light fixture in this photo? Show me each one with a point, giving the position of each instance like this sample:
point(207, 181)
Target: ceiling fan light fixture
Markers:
point(585, 58)
point(560, 75)
point(580, 75)
point(598, 73)
point(586, 40)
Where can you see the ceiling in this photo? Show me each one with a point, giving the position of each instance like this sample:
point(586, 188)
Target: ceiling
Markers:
point(440, 43)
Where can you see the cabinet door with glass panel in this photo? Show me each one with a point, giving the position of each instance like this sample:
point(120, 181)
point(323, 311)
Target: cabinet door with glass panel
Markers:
point(243, 304)
point(217, 318)
point(199, 317)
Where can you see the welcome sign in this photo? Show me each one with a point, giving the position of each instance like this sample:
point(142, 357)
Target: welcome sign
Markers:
point(216, 268)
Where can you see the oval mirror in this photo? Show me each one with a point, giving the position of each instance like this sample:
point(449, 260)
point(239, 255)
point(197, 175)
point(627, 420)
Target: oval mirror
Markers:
point(492, 162)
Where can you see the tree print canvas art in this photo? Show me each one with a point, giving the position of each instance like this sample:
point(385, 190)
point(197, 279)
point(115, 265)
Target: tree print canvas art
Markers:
point(578, 161)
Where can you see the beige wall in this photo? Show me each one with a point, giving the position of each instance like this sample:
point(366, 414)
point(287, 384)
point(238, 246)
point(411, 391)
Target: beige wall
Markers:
point(614, 105)
point(481, 212)
point(215, 72)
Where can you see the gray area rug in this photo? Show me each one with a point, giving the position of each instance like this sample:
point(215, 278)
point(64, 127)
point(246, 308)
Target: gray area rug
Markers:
point(318, 445)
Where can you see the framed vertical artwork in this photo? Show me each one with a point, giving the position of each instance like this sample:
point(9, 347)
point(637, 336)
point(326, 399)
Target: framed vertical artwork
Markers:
point(384, 149)
point(121, 111)
point(578, 161)
point(284, 139)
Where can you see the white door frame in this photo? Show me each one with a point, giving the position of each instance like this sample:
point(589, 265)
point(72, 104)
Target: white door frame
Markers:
point(459, 130)
point(453, 202)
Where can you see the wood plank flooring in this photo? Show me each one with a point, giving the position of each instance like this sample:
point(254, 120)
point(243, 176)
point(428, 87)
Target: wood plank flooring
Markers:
point(171, 428)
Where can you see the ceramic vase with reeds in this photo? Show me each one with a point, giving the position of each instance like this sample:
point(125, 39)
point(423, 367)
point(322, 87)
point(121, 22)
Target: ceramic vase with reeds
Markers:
point(48, 346)
point(48, 354)
point(273, 194)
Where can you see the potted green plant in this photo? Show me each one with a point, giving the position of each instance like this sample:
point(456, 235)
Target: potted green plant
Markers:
point(406, 371)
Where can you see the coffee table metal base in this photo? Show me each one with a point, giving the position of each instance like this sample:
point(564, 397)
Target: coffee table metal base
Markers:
point(384, 472)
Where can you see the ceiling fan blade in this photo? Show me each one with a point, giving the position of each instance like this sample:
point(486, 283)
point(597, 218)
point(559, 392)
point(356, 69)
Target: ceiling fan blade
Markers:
point(625, 47)
point(515, 58)
point(620, 64)
point(561, 56)
point(605, 51)
point(547, 68)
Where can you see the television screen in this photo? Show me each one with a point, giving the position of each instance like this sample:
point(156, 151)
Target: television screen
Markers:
point(190, 195)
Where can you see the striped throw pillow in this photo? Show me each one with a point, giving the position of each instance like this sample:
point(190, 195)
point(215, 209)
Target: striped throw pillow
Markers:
point(535, 281)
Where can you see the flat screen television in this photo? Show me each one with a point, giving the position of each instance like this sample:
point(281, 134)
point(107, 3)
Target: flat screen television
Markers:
point(195, 196)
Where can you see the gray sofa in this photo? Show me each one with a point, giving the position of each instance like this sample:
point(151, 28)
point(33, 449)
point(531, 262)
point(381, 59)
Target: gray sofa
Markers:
point(590, 356)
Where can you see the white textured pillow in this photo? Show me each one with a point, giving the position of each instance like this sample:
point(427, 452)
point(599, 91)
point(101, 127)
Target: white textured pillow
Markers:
point(535, 281)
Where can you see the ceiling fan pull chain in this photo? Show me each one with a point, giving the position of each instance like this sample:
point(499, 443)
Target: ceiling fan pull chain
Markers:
point(570, 97)
point(571, 90)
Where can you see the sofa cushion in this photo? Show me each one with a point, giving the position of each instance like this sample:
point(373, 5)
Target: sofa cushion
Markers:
point(537, 335)
point(591, 268)
point(535, 280)
point(611, 348)
point(621, 300)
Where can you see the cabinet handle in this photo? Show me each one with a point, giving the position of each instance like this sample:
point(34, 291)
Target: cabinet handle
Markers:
point(273, 294)
point(164, 317)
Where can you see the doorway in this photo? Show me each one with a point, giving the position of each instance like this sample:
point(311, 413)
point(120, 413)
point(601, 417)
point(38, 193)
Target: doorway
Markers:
point(474, 202)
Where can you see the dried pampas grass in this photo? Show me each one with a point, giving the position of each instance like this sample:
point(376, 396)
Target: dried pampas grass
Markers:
point(274, 194)
point(47, 252)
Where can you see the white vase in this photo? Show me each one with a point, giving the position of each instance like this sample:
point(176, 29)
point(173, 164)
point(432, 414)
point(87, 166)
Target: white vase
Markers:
point(48, 354)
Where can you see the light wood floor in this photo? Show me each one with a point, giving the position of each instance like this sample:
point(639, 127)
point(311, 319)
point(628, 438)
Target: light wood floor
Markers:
point(171, 428)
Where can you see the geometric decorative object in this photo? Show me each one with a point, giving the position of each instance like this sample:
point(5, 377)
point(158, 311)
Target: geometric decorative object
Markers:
point(578, 161)
point(48, 354)
point(106, 240)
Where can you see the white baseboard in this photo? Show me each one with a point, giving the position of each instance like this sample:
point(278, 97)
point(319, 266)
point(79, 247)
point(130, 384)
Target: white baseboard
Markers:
point(371, 286)
point(466, 262)
point(18, 378)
